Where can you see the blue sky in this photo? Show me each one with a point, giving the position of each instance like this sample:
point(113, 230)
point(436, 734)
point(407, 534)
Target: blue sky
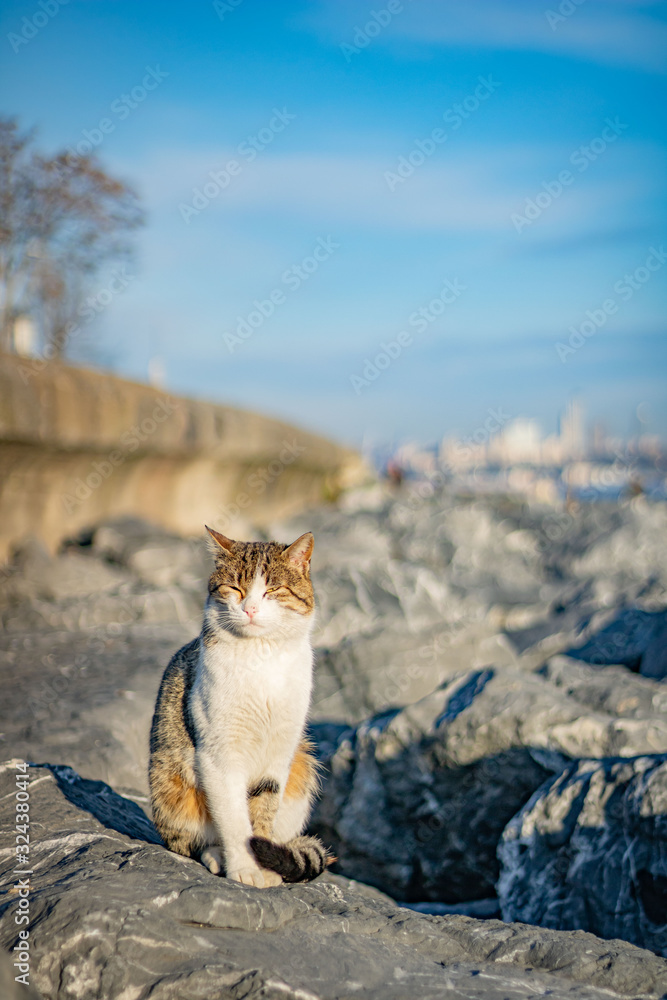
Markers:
point(337, 98)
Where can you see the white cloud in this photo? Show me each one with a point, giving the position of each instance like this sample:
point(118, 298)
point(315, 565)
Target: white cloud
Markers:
point(475, 189)
point(614, 32)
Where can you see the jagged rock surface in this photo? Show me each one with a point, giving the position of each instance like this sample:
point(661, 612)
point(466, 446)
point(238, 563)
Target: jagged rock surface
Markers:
point(466, 606)
point(415, 800)
point(634, 638)
point(113, 914)
point(414, 591)
point(590, 849)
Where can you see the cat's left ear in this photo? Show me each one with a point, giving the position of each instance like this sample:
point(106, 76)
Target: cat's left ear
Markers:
point(300, 551)
point(221, 542)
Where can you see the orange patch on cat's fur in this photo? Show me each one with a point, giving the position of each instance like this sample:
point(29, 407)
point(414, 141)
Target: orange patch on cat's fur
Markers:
point(303, 772)
point(186, 800)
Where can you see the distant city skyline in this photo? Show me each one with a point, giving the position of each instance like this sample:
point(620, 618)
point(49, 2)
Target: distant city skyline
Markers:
point(374, 227)
point(578, 430)
point(512, 455)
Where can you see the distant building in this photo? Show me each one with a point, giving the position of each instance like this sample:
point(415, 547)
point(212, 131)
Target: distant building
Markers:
point(157, 372)
point(24, 335)
point(571, 431)
point(520, 441)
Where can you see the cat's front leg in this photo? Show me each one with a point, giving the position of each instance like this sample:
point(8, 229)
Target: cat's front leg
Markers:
point(226, 791)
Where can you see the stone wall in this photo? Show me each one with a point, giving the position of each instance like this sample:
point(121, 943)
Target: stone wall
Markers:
point(78, 446)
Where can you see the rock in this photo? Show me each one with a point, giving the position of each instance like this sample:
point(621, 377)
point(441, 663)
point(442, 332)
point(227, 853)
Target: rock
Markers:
point(627, 639)
point(155, 556)
point(9, 988)
point(442, 696)
point(492, 557)
point(654, 660)
point(86, 697)
point(392, 666)
point(590, 850)
point(113, 914)
point(416, 799)
point(118, 537)
point(636, 552)
point(615, 690)
point(154, 578)
point(34, 579)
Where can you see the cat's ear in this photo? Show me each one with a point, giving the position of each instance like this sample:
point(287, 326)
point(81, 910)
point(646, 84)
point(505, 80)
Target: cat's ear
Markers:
point(300, 551)
point(220, 545)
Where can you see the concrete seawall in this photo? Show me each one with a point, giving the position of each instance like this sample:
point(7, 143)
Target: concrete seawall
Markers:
point(78, 446)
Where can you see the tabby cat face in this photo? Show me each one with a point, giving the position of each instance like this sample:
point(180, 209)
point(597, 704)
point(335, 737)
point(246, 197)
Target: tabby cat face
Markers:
point(261, 589)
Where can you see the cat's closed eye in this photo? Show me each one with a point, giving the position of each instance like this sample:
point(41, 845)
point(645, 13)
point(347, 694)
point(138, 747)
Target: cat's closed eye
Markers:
point(225, 590)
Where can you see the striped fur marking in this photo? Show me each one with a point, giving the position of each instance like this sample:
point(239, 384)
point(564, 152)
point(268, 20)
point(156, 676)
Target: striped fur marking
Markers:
point(300, 860)
point(265, 785)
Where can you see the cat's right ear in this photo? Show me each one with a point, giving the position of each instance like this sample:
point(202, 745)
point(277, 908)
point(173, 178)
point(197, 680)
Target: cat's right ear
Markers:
point(221, 545)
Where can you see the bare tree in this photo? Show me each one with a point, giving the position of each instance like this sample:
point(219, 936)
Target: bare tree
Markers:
point(62, 219)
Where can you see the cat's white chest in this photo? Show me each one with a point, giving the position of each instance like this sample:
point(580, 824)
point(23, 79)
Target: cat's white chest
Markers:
point(250, 700)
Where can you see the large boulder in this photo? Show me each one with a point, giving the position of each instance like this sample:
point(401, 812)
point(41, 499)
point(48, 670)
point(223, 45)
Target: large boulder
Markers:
point(115, 915)
point(632, 637)
point(86, 697)
point(415, 800)
point(123, 573)
point(634, 553)
point(590, 850)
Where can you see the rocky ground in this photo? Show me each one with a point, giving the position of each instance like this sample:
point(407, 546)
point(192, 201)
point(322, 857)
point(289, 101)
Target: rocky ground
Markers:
point(115, 915)
point(490, 708)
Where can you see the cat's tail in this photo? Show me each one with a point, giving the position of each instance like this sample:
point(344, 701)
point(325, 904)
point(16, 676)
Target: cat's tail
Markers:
point(299, 860)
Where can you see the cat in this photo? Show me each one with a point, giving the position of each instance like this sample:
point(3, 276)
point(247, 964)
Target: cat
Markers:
point(232, 774)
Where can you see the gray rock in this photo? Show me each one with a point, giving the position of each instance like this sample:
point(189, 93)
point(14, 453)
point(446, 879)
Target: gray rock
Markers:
point(34, 573)
point(626, 639)
point(154, 555)
point(87, 697)
point(116, 538)
point(155, 578)
point(10, 989)
point(113, 914)
point(615, 690)
point(393, 666)
point(415, 799)
point(635, 552)
point(590, 850)
point(654, 660)
point(418, 603)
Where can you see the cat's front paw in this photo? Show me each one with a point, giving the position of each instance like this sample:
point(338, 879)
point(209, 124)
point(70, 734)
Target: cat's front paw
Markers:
point(258, 877)
point(271, 878)
point(211, 858)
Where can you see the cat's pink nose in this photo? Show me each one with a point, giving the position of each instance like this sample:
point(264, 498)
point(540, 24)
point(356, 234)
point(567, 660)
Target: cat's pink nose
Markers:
point(250, 609)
